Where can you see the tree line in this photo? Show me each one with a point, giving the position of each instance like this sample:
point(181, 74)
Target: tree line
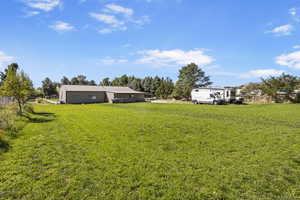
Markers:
point(189, 77)
point(17, 84)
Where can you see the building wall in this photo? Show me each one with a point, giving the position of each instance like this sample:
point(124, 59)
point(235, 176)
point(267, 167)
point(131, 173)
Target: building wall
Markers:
point(141, 96)
point(62, 95)
point(128, 98)
point(82, 97)
point(85, 97)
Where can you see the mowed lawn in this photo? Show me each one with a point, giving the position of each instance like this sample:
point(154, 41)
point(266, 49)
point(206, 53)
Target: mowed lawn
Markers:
point(152, 151)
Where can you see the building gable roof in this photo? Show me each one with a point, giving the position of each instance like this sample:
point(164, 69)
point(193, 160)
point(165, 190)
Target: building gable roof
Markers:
point(88, 88)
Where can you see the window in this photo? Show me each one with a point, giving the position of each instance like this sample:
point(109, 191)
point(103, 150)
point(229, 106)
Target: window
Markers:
point(232, 93)
point(92, 97)
point(227, 93)
point(196, 90)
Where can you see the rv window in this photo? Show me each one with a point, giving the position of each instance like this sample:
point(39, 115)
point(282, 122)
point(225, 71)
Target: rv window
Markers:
point(196, 90)
point(227, 93)
point(233, 93)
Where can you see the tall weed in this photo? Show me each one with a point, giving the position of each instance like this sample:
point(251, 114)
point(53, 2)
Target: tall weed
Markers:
point(8, 120)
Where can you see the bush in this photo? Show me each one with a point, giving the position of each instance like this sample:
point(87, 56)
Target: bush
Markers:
point(39, 100)
point(8, 121)
point(28, 108)
point(2, 133)
point(297, 98)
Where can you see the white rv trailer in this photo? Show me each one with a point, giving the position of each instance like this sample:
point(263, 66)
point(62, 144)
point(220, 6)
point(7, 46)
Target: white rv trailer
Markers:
point(215, 95)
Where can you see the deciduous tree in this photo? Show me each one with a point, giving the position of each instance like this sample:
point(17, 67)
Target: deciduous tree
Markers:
point(49, 87)
point(17, 85)
point(105, 82)
point(3, 75)
point(65, 81)
point(284, 83)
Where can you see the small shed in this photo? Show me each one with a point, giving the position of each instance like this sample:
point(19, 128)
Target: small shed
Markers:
point(82, 94)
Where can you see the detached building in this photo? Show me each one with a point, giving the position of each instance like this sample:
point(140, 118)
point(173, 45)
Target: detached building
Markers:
point(82, 94)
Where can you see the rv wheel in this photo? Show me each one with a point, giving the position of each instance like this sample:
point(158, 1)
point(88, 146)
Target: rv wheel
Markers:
point(215, 103)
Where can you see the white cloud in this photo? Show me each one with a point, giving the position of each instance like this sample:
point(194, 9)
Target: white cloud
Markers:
point(127, 13)
point(294, 13)
point(105, 31)
point(174, 57)
point(283, 30)
point(111, 61)
point(257, 73)
point(114, 8)
point(44, 5)
point(61, 26)
point(296, 47)
point(141, 21)
point(31, 13)
point(261, 73)
point(110, 20)
point(118, 18)
point(4, 58)
point(291, 60)
point(127, 45)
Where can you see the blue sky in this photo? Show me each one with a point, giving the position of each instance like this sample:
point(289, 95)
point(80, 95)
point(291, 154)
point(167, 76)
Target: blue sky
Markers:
point(234, 41)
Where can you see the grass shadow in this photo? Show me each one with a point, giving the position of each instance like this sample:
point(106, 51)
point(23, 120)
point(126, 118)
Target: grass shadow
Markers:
point(4, 146)
point(40, 117)
point(39, 120)
point(45, 114)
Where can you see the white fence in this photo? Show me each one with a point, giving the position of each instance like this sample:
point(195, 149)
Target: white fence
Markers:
point(4, 101)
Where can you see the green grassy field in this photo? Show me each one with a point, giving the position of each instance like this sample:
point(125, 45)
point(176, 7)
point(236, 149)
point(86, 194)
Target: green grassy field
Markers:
point(152, 151)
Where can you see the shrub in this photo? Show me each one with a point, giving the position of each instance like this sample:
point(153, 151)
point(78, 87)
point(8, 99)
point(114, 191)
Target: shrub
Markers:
point(8, 121)
point(297, 98)
point(39, 100)
point(28, 108)
point(2, 132)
